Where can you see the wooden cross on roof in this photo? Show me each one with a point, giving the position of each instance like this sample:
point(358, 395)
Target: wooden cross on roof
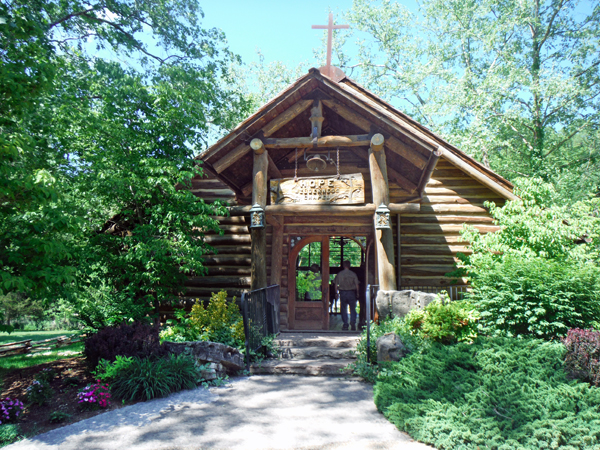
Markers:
point(329, 27)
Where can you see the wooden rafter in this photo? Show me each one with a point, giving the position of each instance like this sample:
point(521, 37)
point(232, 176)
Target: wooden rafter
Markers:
point(359, 140)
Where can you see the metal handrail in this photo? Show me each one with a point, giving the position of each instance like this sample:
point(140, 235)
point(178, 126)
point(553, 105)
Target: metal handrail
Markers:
point(371, 288)
point(264, 319)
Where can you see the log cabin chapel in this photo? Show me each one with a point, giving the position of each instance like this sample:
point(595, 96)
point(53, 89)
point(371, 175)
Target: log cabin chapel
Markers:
point(325, 172)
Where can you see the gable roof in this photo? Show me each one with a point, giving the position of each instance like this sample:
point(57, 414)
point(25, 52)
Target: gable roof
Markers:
point(349, 109)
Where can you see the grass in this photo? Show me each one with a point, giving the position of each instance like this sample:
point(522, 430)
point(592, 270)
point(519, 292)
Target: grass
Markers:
point(17, 336)
point(8, 363)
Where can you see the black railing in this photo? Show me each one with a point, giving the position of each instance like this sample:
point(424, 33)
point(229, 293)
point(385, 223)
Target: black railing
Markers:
point(454, 292)
point(260, 309)
point(370, 304)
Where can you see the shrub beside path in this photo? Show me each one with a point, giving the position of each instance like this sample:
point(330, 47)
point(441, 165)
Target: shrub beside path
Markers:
point(259, 412)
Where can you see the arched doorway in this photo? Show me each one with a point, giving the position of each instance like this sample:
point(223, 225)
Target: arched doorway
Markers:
point(312, 264)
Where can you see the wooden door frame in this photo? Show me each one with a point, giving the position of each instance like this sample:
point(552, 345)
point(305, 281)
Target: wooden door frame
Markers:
point(292, 257)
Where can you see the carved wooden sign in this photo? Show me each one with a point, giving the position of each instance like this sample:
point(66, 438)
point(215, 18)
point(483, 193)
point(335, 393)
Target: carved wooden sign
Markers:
point(347, 189)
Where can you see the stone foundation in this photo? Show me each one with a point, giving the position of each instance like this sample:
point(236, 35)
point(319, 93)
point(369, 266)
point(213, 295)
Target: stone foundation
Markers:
point(221, 358)
point(399, 303)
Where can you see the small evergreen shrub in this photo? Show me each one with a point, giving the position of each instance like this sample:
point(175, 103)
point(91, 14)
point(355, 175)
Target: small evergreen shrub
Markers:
point(9, 433)
point(39, 392)
point(221, 321)
point(495, 393)
point(582, 360)
point(136, 339)
point(443, 321)
point(10, 409)
point(147, 378)
point(530, 296)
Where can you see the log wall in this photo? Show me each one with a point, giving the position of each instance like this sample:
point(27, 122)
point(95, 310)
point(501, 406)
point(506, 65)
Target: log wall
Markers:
point(430, 239)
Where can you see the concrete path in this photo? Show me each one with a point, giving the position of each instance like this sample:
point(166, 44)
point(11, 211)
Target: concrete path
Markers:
point(259, 412)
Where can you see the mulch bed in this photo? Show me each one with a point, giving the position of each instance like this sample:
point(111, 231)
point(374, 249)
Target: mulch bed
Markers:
point(35, 419)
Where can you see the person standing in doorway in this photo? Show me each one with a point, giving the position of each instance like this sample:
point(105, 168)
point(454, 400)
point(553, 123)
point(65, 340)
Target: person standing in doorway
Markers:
point(347, 284)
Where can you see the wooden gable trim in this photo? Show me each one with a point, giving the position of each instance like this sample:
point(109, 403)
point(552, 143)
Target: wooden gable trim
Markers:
point(413, 126)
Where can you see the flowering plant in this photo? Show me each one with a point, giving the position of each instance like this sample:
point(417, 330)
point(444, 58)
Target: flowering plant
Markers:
point(39, 392)
point(94, 395)
point(10, 409)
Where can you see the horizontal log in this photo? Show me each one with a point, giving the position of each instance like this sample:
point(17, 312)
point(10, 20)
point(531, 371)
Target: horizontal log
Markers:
point(474, 192)
point(409, 250)
point(420, 229)
point(230, 239)
point(232, 249)
point(451, 199)
point(230, 220)
point(419, 260)
point(430, 271)
point(324, 220)
point(334, 210)
point(227, 260)
point(462, 182)
point(359, 140)
point(433, 239)
point(453, 209)
point(347, 229)
point(228, 270)
point(218, 282)
point(479, 175)
point(428, 219)
point(190, 292)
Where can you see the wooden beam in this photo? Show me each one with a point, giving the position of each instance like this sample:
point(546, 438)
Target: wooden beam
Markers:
point(384, 238)
point(258, 265)
point(476, 174)
point(276, 248)
point(274, 125)
point(332, 210)
point(394, 144)
point(316, 120)
point(285, 117)
point(426, 175)
point(295, 156)
point(399, 249)
point(231, 157)
point(322, 142)
point(273, 170)
point(393, 174)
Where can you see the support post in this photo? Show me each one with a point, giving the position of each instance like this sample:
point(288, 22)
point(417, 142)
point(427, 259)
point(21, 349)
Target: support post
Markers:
point(277, 250)
point(258, 265)
point(384, 239)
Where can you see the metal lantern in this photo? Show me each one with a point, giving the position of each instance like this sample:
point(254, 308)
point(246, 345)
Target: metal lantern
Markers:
point(382, 218)
point(257, 217)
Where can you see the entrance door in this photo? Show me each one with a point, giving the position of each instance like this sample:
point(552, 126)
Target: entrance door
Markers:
point(308, 279)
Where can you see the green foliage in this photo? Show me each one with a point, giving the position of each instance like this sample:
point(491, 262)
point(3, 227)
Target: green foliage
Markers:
point(369, 371)
point(536, 296)
point(539, 273)
point(148, 378)
point(9, 433)
point(39, 392)
point(59, 417)
point(221, 321)
point(444, 321)
point(496, 393)
point(307, 282)
point(487, 75)
point(95, 155)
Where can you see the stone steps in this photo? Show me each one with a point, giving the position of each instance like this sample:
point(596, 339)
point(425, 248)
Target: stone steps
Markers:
point(325, 354)
point(316, 353)
point(315, 367)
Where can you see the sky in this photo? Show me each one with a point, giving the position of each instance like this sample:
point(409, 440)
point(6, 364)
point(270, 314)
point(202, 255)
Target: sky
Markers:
point(280, 29)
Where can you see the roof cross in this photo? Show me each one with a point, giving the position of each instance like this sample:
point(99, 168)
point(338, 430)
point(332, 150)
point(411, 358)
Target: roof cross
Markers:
point(329, 27)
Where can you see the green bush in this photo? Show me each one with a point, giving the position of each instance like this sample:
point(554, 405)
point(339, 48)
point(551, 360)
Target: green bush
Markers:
point(534, 296)
point(147, 378)
point(39, 392)
point(221, 321)
point(497, 393)
point(443, 320)
point(9, 433)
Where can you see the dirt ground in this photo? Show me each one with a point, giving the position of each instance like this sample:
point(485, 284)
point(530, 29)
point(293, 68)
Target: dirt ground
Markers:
point(71, 376)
